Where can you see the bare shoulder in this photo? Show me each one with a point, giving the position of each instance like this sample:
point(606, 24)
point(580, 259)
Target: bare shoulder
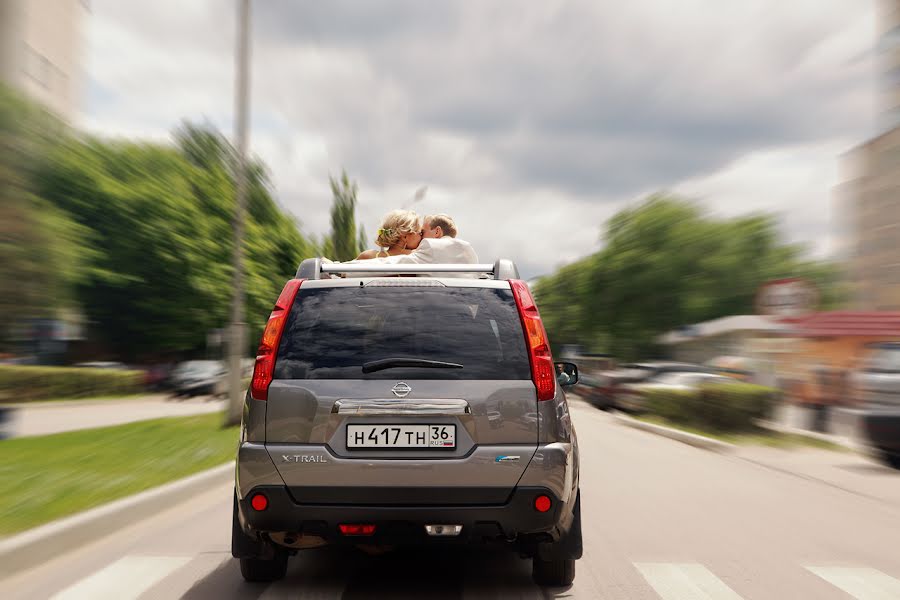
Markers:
point(367, 255)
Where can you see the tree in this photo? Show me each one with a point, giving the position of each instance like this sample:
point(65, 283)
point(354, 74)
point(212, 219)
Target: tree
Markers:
point(43, 252)
point(343, 240)
point(160, 220)
point(667, 263)
point(363, 241)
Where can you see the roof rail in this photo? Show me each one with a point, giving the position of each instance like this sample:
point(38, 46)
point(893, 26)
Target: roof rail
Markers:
point(314, 268)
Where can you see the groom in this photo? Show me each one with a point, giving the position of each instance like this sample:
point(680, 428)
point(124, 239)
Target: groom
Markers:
point(439, 245)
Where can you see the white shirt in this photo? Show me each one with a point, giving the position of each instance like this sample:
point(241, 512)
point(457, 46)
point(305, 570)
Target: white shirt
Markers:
point(443, 250)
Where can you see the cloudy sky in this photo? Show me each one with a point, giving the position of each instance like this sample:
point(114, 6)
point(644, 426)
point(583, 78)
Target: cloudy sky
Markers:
point(530, 122)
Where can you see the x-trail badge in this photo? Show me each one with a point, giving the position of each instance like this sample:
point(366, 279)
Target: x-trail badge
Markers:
point(401, 390)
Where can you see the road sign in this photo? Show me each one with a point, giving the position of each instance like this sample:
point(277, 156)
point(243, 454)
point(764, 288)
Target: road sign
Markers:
point(791, 297)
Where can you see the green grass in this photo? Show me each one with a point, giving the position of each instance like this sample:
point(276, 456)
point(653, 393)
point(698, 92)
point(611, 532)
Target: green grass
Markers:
point(755, 437)
point(47, 477)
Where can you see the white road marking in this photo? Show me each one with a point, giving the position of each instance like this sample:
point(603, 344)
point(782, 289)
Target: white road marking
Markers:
point(125, 579)
point(685, 582)
point(862, 583)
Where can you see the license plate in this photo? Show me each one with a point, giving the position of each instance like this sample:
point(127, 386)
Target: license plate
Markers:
point(401, 436)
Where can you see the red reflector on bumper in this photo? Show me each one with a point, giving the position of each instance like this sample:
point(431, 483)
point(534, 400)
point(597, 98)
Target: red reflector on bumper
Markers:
point(356, 529)
point(542, 503)
point(259, 502)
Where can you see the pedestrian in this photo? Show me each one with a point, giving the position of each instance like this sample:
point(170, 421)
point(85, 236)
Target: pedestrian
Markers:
point(823, 397)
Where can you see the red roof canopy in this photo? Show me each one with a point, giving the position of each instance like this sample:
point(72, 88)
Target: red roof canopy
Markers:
point(845, 322)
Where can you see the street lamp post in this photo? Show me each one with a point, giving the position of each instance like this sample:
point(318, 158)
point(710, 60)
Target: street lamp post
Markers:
point(236, 339)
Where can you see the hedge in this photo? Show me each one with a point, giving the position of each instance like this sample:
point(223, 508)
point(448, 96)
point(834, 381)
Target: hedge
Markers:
point(25, 383)
point(716, 407)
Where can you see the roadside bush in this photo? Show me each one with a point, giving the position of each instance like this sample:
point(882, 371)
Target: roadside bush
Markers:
point(717, 407)
point(25, 383)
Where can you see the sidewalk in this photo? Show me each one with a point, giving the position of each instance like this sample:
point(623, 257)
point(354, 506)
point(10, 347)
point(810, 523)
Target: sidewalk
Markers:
point(850, 471)
point(43, 418)
point(843, 424)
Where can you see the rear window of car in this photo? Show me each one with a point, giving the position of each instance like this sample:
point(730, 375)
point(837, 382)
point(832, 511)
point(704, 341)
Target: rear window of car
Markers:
point(332, 332)
point(886, 360)
point(672, 378)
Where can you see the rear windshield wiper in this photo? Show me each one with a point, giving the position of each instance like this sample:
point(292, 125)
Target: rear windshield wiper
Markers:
point(390, 363)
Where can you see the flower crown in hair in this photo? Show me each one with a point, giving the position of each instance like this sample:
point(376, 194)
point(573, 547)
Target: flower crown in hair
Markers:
point(385, 232)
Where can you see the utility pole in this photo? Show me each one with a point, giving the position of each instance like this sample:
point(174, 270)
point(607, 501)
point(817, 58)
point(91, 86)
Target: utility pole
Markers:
point(237, 344)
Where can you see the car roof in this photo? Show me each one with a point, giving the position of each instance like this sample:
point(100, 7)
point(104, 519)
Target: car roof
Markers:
point(367, 282)
point(884, 345)
point(318, 268)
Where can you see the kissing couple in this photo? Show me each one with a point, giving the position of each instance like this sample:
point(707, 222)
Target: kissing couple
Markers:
point(405, 238)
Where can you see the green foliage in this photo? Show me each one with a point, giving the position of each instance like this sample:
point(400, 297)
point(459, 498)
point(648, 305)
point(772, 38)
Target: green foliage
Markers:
point(717, 407)
point(42, 250)
point(161, 220)
point(138, 237)
point(344, 242)
point(667, 263)
point(26, 383)
point(362, 241)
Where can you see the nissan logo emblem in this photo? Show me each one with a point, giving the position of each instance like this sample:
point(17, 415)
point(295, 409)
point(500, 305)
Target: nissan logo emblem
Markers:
point(401, 390)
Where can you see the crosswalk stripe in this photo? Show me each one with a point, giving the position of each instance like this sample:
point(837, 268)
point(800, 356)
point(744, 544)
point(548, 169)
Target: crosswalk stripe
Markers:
point(689, 581)
point(862, 583)
point(125, 579)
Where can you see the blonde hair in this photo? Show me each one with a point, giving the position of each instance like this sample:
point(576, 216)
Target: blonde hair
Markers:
point(395, 225)
point(445, 222)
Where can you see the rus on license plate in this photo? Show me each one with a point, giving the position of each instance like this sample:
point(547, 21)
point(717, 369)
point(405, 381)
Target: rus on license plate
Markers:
point(401, 436)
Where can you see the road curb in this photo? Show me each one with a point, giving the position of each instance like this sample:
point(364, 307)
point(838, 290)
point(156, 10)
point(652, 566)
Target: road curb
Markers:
point(691, 439)
point(35, 546)
point(847, 444)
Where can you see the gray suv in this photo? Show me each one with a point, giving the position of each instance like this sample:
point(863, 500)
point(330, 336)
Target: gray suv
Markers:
point(391, 408)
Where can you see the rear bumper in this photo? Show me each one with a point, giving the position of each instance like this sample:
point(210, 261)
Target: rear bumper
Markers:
point(396, 524)
point(882, 429)
point(321, 478)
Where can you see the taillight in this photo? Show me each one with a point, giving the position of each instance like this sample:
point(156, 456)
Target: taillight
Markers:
point(268, 345)
point(542, 372)
point(356, 529)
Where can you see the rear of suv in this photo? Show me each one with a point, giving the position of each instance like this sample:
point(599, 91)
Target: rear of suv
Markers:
point(390, 410)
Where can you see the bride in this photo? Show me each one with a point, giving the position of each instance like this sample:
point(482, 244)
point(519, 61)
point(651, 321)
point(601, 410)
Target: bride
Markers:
point(400, 233)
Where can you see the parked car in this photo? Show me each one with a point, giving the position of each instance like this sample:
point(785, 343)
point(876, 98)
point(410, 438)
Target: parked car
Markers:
point(6, 417)
point(103, 364)
point(158, 377)
point(878, 386)
point(611, 383)
point(385, 411)
point(199, 377)
point(590, 383)
point(633, 396)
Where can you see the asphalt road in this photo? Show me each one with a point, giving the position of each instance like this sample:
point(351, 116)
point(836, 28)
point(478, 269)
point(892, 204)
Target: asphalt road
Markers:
point(661, 520)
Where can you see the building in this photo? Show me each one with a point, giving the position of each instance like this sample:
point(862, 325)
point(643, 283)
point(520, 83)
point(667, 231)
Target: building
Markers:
point(871, 195)
point(748, 336)
point(841, 338)
point(874, 196)
point(40, 51)
point(887, 48)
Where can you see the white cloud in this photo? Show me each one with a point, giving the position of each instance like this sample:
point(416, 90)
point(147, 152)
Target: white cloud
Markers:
point(796, 182)
point(530, 123)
